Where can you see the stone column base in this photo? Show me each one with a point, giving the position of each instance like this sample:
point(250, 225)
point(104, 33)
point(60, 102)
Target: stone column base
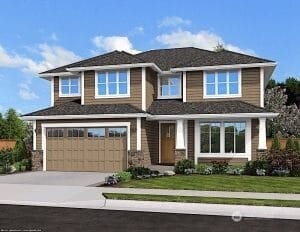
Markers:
point(135, 159)
point(261, 153)
point(179, 155)
point(37, 160)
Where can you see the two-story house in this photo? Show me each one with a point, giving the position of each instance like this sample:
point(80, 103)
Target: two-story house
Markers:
point(155, 107)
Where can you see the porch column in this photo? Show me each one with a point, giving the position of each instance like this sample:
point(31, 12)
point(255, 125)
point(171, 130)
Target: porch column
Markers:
point(262, 140)
point(180, 134)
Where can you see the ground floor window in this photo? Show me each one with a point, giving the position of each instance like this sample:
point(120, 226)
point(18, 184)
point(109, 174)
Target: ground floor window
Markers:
point(222, 137)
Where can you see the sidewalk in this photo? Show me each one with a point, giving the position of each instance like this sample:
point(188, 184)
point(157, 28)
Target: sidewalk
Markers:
point(195, 193)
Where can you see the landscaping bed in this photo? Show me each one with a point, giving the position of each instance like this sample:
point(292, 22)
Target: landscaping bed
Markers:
point(209, 200)
point(220, 183)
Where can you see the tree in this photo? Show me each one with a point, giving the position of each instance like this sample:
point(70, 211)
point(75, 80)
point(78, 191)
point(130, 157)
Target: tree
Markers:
point(219, 47)
point(287, 123)
point(12, 127)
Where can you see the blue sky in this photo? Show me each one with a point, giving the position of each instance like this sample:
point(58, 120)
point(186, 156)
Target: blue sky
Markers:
point(39, 35)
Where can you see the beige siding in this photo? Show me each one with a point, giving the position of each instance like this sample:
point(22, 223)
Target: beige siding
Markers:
point(250, 87)
point(254, 137)
point(57, 99)
point(150, 141)
point(191, 139)
point(132, 129)
point(135, 90)
point(151, 86)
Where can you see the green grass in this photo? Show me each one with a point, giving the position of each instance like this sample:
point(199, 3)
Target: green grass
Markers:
point(220, 183)
point(209, 200)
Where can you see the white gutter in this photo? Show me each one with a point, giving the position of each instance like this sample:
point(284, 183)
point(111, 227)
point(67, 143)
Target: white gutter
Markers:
point(60, 74)
point(212, 116)
point(87, 116)
point(215, 67)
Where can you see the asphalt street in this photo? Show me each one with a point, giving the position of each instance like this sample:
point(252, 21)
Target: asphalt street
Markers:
point(32, 218)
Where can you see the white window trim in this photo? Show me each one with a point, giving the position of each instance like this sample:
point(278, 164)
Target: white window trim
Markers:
point(228, 95)
point(166, 76)
point(79, 125)
point(222, 154)
point(97, 96)
point(70, 95)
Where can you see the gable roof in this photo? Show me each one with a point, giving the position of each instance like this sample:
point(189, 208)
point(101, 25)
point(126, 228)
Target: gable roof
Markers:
point(111, 58)
point(166, 59)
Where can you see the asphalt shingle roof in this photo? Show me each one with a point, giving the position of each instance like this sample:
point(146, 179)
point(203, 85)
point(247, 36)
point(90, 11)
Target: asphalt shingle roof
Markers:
point(158, 107)
point(75, 108)
point(166, 59)
point(177, 107)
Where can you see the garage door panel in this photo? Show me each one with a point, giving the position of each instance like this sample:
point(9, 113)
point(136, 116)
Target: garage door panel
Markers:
point(97, 153)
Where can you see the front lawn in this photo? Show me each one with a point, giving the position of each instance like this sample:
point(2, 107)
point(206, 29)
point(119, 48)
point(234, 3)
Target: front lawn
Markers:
point(209, 200)
point(220, 183)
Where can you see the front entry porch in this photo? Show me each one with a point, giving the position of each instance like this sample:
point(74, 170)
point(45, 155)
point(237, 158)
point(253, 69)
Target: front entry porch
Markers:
point(202, 139)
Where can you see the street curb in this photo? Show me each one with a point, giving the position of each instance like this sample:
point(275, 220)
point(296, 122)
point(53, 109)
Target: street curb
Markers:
point(238, 211)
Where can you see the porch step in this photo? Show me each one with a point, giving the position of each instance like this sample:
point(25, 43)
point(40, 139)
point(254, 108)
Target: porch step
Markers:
point(161, 168)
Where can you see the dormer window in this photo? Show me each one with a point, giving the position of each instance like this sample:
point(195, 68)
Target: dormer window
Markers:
point(169, 86)
point(110, 84)
point(222, 84)
point(69, 86)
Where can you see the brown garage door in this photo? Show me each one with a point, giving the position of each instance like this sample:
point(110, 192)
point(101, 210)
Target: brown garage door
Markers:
point(86, 149)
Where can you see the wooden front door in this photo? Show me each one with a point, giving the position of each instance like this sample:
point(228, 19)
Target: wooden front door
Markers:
point(167, 144)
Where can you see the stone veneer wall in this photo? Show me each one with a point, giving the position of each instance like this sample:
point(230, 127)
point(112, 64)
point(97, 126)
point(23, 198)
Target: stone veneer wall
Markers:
point(179, 155)
point(138, 159)
point(37, 160)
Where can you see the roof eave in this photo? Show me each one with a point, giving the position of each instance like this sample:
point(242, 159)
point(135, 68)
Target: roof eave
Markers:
point(214, 67)
point(212, 116)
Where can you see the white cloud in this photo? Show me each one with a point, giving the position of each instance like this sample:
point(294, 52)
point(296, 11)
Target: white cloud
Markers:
point(2, 109)
point(26, 93)
point(111, 43)
point(52, 56)
point(137, 31)
point(174, 21)
point(53, 36)
point(202, 39)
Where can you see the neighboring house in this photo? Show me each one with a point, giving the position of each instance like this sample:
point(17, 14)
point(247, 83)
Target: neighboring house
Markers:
point(156, 107)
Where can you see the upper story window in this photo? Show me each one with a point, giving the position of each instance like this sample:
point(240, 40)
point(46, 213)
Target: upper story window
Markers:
point(222, 84)
point(169, 86)
point(113, 84)
point(69, 86)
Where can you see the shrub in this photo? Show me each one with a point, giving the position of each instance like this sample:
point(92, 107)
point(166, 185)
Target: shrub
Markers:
point(6, 160)
point(182, 165)
point(200, 168)
point(290, 145)
point(124, 176)
point(235, 170)
point(251, 167)
point(276, 146)
point(26, 163)
point(219, 167)
point(297, 145)
point(138, 171)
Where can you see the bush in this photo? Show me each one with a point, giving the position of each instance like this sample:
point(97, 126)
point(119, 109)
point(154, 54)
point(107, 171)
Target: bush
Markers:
point(276, 146)
point(235, 170)
point(138, 171)
point(6, 160)
point(124, 176)
point(297, 145)
point(219, 167)
point(251, 168)
point(26, 163)
point(290, 145)
point(182, 165)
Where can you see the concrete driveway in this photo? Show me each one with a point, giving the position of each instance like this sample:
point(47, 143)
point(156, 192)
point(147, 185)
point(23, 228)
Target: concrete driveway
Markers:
point(56, 178)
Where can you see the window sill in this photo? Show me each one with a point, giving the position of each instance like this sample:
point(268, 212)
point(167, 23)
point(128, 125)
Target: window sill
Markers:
point(223, 155)
point(222, 96)
point(69, 95)
point(171, 97)
point(112, 96)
